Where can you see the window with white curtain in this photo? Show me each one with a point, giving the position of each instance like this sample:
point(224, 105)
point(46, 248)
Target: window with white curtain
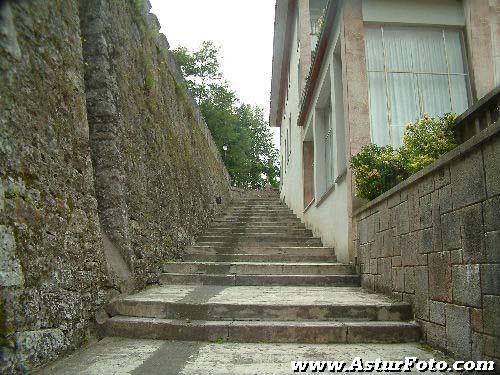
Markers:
point(412, 71)
point(329, 146)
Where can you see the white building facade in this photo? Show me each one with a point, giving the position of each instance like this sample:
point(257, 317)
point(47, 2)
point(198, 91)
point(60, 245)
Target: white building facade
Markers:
point(353, 72)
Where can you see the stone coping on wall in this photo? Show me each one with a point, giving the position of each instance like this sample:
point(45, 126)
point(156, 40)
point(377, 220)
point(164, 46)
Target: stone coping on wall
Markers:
point(456, 153)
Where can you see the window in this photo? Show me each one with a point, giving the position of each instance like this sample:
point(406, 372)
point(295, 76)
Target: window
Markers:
point(329, 146)
point(412, 71)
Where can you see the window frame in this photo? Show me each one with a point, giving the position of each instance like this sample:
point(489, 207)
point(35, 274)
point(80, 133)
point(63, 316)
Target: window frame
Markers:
point(443, 28)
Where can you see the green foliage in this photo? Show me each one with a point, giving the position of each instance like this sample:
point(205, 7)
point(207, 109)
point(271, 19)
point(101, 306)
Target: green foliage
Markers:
point(251, 158)
point(425, 140)
point(377, 169)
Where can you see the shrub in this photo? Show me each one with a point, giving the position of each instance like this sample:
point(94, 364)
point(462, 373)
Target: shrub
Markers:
point(426, 140)
point(376, 169)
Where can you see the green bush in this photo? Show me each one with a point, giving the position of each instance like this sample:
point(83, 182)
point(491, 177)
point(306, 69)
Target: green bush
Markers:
point(426, 140)
point(377, 169)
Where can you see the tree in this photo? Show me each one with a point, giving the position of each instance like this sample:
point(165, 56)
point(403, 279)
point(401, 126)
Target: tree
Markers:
point(251, 158)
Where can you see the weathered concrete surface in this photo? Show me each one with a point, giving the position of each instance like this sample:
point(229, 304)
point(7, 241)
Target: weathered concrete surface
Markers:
point(150, 357)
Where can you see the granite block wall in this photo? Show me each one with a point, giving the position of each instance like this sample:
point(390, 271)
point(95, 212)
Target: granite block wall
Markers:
point(434, 241)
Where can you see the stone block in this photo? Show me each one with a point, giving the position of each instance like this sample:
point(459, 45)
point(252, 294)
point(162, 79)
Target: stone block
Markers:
point(384, 217)
point(436, 335)
point(11, 273)
point(36, 346)
point(385, 270)
point(458, 330)
point(425, 240)
point(388, 243)
point(421, 305)
point(363, 231)
point(491, 214)
point(450, 230)
point(436, 223)
point(370, 224)
point(476, 319)
point(396, 249)
point(467, 179)
point(426, 185)
point(409, 279)
point(445, 202)
point(492, 247)
point(442, 177)
point(413, 210)
point(373, 266)
point(437, 311)
point(491, 315)
point(490, 279)
point(396, 261)
point(377, 245)
point(408, 250)
point(440, 276)
point(402, 219)
point(491, 153)
point(393, 200)
point(398, 279)
point(466, 285)
point(472, 233)
point(425, 207)
point(456, 256)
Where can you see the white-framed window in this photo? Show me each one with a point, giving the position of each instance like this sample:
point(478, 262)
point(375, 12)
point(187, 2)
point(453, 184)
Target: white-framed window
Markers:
point(412, 71)
point(289, 132)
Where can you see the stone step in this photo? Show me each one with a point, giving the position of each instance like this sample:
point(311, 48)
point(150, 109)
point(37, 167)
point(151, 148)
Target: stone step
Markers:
point(259, 280)
point(258, 268)
point(262, 331)
point(257, 221)
point(239, 236)
point(263, 231)
point(260, 303)
point(237, 257)
point(256, 240)
point(261, 215)
point(269, 250)
point(258, 225)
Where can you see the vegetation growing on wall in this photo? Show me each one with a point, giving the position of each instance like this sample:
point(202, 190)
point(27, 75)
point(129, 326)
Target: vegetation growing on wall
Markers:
point(377, 169)
point(251, 158)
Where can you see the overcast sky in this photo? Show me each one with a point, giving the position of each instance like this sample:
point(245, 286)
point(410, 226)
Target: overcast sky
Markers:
point(242, 29)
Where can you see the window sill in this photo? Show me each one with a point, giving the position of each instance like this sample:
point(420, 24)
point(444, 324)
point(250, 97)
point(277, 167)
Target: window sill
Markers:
point(341, 176)
point(309, 205)
point(325, 195)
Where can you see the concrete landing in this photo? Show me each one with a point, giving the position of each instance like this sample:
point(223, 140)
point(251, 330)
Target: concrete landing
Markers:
point(114, 356)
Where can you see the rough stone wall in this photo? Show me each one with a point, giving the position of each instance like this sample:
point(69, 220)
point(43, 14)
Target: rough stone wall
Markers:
point(106, 168)
point(434, 241)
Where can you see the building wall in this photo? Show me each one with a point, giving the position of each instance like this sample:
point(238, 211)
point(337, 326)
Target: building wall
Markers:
point(433, 241)
point(106, 168)
point(334, 213)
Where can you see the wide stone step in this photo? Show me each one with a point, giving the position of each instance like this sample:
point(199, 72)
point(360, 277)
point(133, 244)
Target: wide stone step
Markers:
point(264, 231)
point(272, 226)
point(237, 257)
point(259, 280)
point(259, 268)
point(269, 250)
point(258, 221)
point(238, 236)
point(262, 331)
point(256, 240)
point(261, 215)
point(260, 303)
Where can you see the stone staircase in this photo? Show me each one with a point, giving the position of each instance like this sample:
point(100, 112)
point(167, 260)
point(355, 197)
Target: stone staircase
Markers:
point(258, 275)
